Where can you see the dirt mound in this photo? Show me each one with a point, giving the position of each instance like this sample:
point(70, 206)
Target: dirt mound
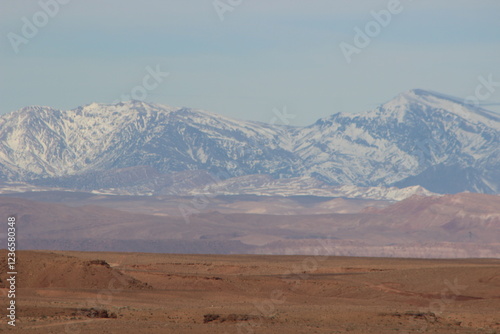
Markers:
point(50, 270)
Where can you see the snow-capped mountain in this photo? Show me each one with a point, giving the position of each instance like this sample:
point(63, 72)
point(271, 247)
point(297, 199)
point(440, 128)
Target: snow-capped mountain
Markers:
point(418, 138)
point(44, 142)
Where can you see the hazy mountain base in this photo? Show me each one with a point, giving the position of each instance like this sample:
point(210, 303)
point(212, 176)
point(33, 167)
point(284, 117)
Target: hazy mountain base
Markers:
point(304, 246)
point(462, 225)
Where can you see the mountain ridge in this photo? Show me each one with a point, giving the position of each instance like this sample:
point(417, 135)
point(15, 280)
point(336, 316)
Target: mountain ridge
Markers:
point(414, 139)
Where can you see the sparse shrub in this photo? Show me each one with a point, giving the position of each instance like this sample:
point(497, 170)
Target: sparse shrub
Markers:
point(210, 317)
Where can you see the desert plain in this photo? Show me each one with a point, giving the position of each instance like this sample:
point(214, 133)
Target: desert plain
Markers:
point(104, 292)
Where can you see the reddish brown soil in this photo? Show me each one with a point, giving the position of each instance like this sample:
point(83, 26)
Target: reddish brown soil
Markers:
point(79, 292)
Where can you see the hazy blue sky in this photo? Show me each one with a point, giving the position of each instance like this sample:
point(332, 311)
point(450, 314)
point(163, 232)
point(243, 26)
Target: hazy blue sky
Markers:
point(263, 55)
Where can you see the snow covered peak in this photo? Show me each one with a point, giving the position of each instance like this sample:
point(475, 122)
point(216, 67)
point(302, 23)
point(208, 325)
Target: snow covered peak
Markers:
point(417, 100)
point(425, 95)
point(35, 108)
point(36, 111)
point(132, 106)
point(419, 93)
point(420, 97)
point(419, 137)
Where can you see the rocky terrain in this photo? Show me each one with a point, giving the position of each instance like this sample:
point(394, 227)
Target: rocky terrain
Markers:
point(419, 138)
point(167, 293)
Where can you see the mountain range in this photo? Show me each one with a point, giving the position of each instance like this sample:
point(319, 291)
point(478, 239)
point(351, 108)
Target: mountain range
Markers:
point(420, 138)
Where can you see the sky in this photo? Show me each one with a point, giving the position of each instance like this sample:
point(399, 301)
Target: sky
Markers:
point(270, 61)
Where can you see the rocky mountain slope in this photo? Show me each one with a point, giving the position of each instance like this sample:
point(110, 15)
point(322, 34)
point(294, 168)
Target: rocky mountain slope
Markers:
point(418, 138)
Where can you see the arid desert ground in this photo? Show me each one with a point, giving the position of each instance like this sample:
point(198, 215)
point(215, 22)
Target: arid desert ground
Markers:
point(94, 292)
